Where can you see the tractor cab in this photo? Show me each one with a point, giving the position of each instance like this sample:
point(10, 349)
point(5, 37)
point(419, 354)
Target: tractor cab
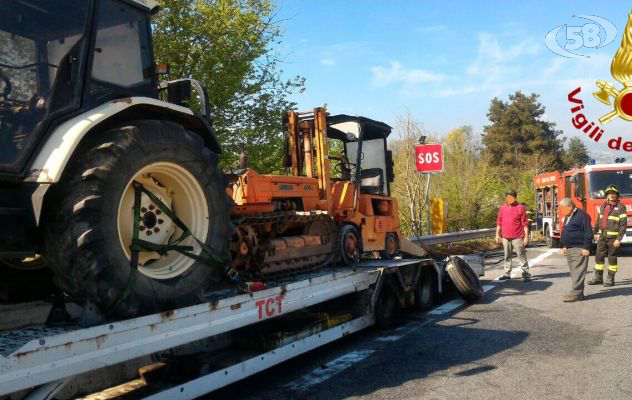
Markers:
point(59, 58)
point(365, 158)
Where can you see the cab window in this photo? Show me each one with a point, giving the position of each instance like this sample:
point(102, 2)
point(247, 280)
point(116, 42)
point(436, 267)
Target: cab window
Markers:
point(122, 58)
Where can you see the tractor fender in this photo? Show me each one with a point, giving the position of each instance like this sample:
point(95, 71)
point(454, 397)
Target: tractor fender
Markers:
point(61, 143)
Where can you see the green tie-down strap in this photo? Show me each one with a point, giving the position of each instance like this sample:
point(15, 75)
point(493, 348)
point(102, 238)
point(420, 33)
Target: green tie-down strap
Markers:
point(207, 256)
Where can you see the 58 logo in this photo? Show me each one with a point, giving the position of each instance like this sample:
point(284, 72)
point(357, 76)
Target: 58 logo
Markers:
point(590, 35)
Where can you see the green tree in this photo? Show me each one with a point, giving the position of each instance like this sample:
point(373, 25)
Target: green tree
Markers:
point(229, 45)
point(576, 153)
point(518, 131)
point(470, 186)
point(409, 187)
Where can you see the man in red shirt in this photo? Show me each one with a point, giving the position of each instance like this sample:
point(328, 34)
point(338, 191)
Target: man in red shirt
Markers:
point(513, 228)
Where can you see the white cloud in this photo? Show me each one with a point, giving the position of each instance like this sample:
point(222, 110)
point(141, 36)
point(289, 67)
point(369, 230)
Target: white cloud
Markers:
point(493, 58)
point(328, 61)
point(331, 54)
point(449, 92)
point(397, 73)
point(431, 28)
point(500, 68)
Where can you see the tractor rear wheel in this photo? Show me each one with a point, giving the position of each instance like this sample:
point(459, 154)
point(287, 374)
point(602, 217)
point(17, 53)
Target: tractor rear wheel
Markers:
point(90, 216)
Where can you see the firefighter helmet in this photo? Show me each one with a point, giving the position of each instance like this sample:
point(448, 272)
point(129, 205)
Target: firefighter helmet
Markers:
point(613, 189)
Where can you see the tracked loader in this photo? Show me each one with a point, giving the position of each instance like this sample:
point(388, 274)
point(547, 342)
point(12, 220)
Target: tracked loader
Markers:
point(308, 219)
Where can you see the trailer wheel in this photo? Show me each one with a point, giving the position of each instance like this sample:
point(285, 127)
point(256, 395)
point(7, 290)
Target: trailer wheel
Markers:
point(426, 290)
point(350, 245)
point(387, 307)
point(465, 279)
point(89, 218)
point(391, 247)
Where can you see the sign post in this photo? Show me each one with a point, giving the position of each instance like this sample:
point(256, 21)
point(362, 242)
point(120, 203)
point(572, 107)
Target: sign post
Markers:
point(428, 159)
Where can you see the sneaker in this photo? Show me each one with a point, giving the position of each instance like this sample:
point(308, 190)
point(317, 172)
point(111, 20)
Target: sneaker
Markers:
point(504, 277)
point(571, 298)
point(525, 275)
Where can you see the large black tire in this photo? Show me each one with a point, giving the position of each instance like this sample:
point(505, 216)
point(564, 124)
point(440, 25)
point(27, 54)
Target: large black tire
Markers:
point(391, 247)
point(465, 279)
point(426, 289)
point(387, 308)
point(350, 254)
point(82, 242)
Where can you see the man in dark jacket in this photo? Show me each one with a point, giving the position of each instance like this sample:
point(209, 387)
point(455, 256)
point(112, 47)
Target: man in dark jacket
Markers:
point(576, 240)
point(610, 227)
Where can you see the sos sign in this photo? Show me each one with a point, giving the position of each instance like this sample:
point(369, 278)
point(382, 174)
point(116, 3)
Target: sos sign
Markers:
point(429, 157)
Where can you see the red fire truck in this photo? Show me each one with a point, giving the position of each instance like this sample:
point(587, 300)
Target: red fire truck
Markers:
point(585, 186)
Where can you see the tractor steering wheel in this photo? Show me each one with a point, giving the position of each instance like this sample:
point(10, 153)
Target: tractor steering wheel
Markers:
point(7, 86)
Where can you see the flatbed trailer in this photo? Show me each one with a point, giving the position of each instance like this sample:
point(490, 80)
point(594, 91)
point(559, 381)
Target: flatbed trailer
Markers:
point(191, 351)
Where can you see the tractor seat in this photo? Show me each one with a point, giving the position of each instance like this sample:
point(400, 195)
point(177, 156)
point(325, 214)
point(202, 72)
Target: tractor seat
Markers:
point(372, 181)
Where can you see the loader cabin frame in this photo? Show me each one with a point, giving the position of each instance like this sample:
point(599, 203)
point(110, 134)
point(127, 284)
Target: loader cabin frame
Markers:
point(359, 196)
point(585, 187)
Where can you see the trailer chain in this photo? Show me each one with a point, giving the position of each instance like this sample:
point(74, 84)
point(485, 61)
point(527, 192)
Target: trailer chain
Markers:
point(210, 257)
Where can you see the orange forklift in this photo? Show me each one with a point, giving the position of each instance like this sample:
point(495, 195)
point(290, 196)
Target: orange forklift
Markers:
point(308, 218)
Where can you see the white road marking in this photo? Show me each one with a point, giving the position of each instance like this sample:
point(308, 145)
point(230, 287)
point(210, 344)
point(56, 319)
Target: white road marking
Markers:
point(391, 338)
point(328, 370)
point(402, 331)
point(532, 263)
point(447, 307)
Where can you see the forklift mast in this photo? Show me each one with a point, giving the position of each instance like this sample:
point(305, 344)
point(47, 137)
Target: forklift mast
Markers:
point(308, 137)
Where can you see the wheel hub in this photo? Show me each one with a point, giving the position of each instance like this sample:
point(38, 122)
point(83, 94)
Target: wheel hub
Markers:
point(181, 193)
point(155, 226)
point(390, 246)
point(350, 245)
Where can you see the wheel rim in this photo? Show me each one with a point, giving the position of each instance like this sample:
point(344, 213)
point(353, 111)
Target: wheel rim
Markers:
point(390, 245)
point(425, 289)
point(178, 189)
point(350, 246)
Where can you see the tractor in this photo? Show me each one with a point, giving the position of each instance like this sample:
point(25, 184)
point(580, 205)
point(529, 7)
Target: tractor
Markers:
point(109, 179)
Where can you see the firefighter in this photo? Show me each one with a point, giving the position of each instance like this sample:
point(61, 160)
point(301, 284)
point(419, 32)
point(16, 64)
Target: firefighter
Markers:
point(530, 216)
point(610, 228)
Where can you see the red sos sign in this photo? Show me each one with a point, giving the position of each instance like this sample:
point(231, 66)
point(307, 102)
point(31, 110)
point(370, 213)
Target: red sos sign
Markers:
point(429, 157)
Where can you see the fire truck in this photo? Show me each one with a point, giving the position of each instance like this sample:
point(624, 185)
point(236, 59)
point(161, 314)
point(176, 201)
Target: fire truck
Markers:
point(585, 187)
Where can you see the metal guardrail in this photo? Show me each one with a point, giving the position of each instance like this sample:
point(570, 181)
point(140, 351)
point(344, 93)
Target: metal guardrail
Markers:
point(454, 236)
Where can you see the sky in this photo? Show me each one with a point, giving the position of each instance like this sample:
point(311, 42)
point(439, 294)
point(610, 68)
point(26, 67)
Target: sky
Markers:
point(443, 61)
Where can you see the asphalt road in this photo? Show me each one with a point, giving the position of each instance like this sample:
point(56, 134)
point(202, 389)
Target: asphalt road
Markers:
point(520, 341)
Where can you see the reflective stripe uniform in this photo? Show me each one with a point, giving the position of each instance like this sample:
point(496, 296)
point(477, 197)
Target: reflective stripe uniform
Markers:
point(616, 226)
point(530, 217)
